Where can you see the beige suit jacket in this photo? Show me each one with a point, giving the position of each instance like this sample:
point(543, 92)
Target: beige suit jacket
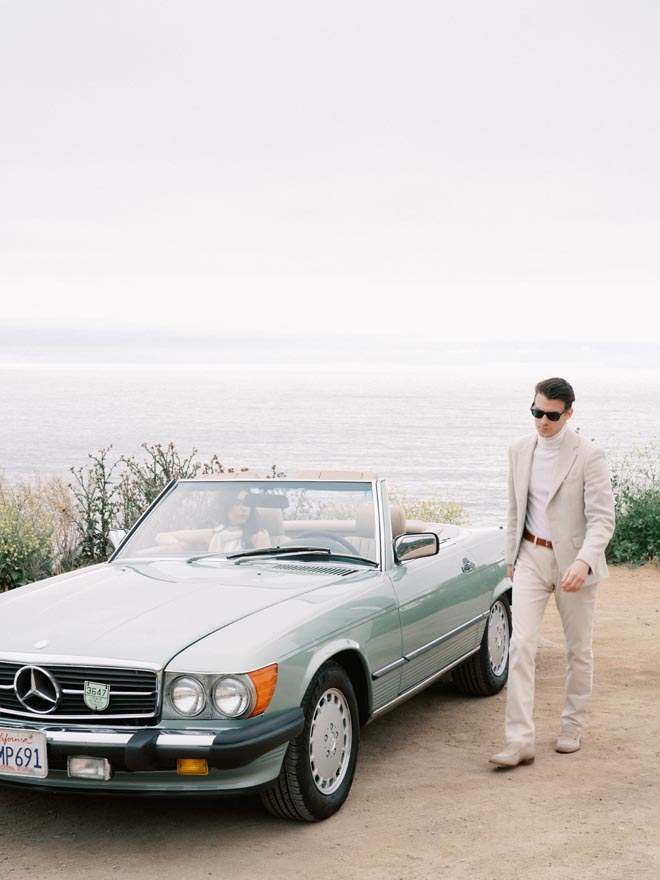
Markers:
point(580, 505)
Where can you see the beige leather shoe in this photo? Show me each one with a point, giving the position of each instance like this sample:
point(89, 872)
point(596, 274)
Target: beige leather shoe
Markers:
point(513, 754)
point(568, 741)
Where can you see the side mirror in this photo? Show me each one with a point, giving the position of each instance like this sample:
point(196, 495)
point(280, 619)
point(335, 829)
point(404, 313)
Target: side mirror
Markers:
point(116, 536)
point(416, 546)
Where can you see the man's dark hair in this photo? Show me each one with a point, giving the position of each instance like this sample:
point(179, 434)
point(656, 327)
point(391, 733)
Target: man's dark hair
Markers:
point(556, 389)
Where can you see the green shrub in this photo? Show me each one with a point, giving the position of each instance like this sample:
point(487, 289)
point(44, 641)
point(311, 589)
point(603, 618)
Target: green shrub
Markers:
point(26, 552)
point(435, 510)
point(636, 485)
point(95, 508)
point(107, 496)
point(58, 503)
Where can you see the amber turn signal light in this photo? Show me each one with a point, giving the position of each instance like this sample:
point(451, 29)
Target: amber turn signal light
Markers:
point(264, 681)
point(192, 767)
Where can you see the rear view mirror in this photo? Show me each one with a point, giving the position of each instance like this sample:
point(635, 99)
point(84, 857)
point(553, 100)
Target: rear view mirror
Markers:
point(266, 499)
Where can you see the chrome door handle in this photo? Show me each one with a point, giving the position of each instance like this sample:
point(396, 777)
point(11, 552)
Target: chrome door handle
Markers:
point(468, 565)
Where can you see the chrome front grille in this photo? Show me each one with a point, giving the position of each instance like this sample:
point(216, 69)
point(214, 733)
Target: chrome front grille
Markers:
point(133, 693)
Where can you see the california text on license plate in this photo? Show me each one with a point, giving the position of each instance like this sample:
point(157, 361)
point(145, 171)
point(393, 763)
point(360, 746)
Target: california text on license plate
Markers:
point(23, 753)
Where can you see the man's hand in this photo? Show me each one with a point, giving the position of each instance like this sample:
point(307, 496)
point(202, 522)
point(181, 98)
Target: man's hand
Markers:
point(509, 572)
point(575, 576)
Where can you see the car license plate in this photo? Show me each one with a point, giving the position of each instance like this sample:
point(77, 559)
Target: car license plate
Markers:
point(23, 753)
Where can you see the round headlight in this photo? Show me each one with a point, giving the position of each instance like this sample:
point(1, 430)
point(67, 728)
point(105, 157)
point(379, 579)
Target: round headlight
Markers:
point(188, 696)
point(233, 695)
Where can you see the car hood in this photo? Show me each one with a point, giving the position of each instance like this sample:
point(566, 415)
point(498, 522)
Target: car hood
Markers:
point(145, 612)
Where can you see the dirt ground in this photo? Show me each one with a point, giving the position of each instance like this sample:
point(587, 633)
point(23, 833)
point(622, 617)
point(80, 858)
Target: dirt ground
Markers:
point(425, 803)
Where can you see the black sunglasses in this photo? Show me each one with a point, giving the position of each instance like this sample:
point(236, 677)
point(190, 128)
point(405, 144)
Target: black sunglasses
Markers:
point(552, 416)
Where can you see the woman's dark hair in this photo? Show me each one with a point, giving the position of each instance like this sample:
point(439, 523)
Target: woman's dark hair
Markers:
point(557, 389)
point(251, 526)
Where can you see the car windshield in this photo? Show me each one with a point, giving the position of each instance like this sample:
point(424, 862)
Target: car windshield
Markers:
point(200, 518)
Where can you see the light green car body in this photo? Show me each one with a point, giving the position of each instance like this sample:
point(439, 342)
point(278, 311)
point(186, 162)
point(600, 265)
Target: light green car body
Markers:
point(394, 629)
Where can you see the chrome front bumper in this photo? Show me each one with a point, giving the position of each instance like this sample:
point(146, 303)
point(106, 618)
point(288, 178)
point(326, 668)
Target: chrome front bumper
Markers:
point(154, 749)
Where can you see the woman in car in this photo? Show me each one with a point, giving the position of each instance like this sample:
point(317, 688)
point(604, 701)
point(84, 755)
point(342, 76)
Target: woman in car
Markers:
point(238, 530)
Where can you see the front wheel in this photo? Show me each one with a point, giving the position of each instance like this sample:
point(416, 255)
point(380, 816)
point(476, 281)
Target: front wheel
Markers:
point(319, 765)
point(485, 673)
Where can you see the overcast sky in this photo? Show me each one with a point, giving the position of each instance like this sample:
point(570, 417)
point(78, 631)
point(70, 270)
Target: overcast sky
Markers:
point(439, 170)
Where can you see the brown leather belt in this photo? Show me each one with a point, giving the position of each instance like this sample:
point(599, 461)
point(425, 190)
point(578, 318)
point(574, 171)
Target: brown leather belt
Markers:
point(528, 536)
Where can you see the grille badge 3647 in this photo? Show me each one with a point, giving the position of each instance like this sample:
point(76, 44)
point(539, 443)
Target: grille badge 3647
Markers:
point(37, 689)
point(96, 695)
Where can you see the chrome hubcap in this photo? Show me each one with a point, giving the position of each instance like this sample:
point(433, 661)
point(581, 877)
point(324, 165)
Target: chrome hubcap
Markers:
point(498, 638)
point(330, 738)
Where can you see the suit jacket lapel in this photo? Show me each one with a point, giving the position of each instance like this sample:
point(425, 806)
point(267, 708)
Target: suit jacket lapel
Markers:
point(567, 455)
point(525, 472)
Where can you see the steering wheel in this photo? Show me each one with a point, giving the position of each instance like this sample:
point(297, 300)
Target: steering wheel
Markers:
point(335, 539)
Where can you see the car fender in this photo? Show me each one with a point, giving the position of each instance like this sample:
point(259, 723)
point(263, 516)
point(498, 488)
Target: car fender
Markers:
point(504, 586)
point(331, 649)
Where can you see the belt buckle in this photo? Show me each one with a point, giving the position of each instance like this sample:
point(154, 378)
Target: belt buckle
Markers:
point(536, 540)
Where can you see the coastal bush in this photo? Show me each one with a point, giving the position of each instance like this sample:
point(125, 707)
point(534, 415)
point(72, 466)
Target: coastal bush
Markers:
point(95, 507)
point(114, 495)
point(636, 486)
point(435, 509)
point(58, 503)
point(26, 551)
point(141, 482)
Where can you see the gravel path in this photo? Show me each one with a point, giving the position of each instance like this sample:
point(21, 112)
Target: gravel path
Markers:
point(425, 803)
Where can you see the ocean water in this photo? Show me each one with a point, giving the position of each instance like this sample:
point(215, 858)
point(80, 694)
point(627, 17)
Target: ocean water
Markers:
point(432, 430)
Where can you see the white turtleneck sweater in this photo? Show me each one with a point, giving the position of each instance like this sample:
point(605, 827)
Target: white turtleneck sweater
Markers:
point(544, 468)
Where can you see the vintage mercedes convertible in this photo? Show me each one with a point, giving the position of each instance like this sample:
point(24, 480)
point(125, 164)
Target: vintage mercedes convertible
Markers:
point(238, 638)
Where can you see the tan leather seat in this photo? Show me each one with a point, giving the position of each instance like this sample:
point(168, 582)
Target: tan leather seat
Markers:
point(364, 540)
point(398, 520)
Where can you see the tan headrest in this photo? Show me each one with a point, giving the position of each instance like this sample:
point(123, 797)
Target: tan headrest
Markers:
point(398, 520)
point(364, 521)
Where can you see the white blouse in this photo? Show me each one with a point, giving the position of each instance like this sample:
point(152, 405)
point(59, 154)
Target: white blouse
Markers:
point(227, 539)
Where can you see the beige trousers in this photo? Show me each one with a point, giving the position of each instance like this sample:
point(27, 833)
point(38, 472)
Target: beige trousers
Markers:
point(536, 576)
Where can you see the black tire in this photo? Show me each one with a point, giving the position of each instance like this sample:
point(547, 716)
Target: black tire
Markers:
point(485, 673)
point(302, 791)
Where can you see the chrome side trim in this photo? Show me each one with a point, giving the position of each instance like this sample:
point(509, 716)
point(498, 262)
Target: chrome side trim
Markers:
point(379, 673)
point(450, 635)
point(419, 687)
point(389, 668)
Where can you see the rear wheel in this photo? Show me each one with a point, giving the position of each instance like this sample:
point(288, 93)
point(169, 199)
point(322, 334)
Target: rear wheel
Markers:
point(319, 765)
point(485, 673)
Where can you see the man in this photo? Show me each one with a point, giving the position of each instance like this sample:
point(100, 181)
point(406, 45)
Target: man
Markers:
point(561, 518)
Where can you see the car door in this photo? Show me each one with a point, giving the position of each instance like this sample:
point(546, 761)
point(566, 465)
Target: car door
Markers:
point(443, 601)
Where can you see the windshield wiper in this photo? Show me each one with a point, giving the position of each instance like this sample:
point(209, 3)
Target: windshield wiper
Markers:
point(289, 550)
point(326, 552)
point(262, 551)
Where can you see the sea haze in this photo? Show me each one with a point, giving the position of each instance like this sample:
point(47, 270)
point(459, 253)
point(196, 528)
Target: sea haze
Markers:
point(431, 430)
